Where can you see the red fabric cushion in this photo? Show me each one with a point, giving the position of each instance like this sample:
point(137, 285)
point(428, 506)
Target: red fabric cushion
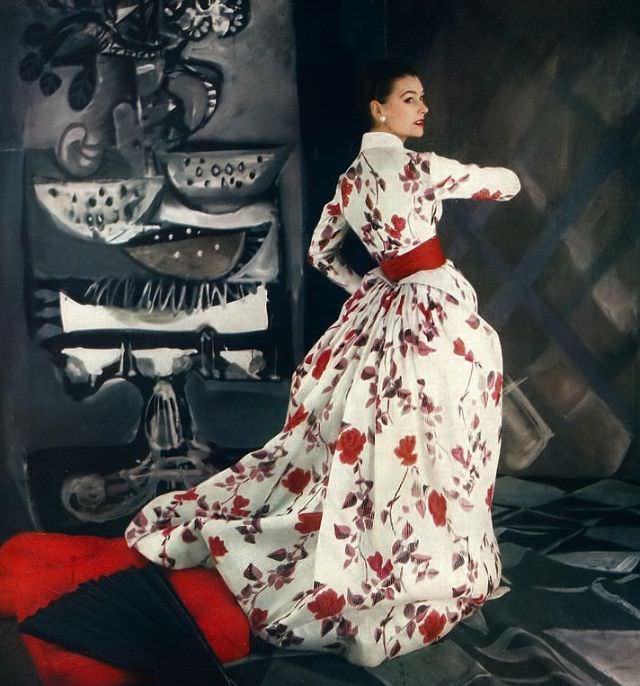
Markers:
point(37, 568)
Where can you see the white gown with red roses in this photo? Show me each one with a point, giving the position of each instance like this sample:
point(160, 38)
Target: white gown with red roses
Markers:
point(364, 527)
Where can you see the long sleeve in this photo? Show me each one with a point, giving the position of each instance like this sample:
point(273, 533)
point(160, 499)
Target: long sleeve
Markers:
point(328, 235)
point(452, 179)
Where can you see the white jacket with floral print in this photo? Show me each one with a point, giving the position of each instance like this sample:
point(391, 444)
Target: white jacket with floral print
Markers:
point(392, 198)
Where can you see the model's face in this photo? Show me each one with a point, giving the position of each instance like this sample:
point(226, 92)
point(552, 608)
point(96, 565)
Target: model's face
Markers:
point(404, 110)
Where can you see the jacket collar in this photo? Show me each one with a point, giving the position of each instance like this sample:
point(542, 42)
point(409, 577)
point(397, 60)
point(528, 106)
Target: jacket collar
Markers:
point(380, 139)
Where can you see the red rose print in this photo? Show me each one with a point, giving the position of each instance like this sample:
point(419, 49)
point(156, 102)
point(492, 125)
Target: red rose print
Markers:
point(482, 194)
point(411, 171)
point(495, 394)
point(334, 210)
point(375, 562)
point(140, 519)
point(386, 300)
point(458, 347)
point(489, 497)
point(427, 313)
point(486, 194)
point(350, 444)
point(405, 449)
point(187, 495)
point(458, 456)
point(432, 626)
point(409, 176)
point(398, 225)
point(258, 618)
point(296, 480)
point(438, 508)
point(217, 547)
point(472, 321)
point(238, 506)
point(398, 222)
point(321, 364)
point(308, 522)
point(345, 189)
point(296, 418)
point(188, 536)
point(327, 604)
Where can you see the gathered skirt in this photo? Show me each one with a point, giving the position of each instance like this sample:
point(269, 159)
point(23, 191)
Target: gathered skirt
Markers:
point(364, 527)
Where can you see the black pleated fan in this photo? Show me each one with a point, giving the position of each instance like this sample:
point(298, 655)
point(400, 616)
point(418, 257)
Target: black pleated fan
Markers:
point(135, 620)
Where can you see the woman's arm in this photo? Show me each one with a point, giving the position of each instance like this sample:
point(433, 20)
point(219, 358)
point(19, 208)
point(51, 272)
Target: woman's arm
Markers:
point(328, 235)
point(452, 179)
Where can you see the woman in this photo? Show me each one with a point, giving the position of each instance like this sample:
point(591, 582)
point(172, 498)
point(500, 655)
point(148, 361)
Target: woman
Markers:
point(365, 525)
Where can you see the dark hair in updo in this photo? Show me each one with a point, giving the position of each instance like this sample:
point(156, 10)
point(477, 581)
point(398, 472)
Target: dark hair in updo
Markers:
point(375, 82)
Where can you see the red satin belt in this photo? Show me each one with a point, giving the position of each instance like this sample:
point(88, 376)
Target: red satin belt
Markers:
point(427, 255)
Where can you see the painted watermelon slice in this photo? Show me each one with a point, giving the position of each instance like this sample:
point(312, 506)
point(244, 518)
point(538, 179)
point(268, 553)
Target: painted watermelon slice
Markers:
point(107, 210)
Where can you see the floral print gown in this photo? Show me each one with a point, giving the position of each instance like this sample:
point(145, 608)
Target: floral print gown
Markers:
point(364, 527)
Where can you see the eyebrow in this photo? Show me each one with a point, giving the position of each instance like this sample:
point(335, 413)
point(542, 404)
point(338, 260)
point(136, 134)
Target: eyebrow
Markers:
point(414, 92)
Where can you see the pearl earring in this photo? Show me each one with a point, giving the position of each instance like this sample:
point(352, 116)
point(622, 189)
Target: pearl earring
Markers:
point(383, 118)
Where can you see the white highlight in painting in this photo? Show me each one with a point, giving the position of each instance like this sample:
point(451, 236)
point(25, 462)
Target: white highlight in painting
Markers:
point(157, 362)
point(94, 360)
point(247, 314)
